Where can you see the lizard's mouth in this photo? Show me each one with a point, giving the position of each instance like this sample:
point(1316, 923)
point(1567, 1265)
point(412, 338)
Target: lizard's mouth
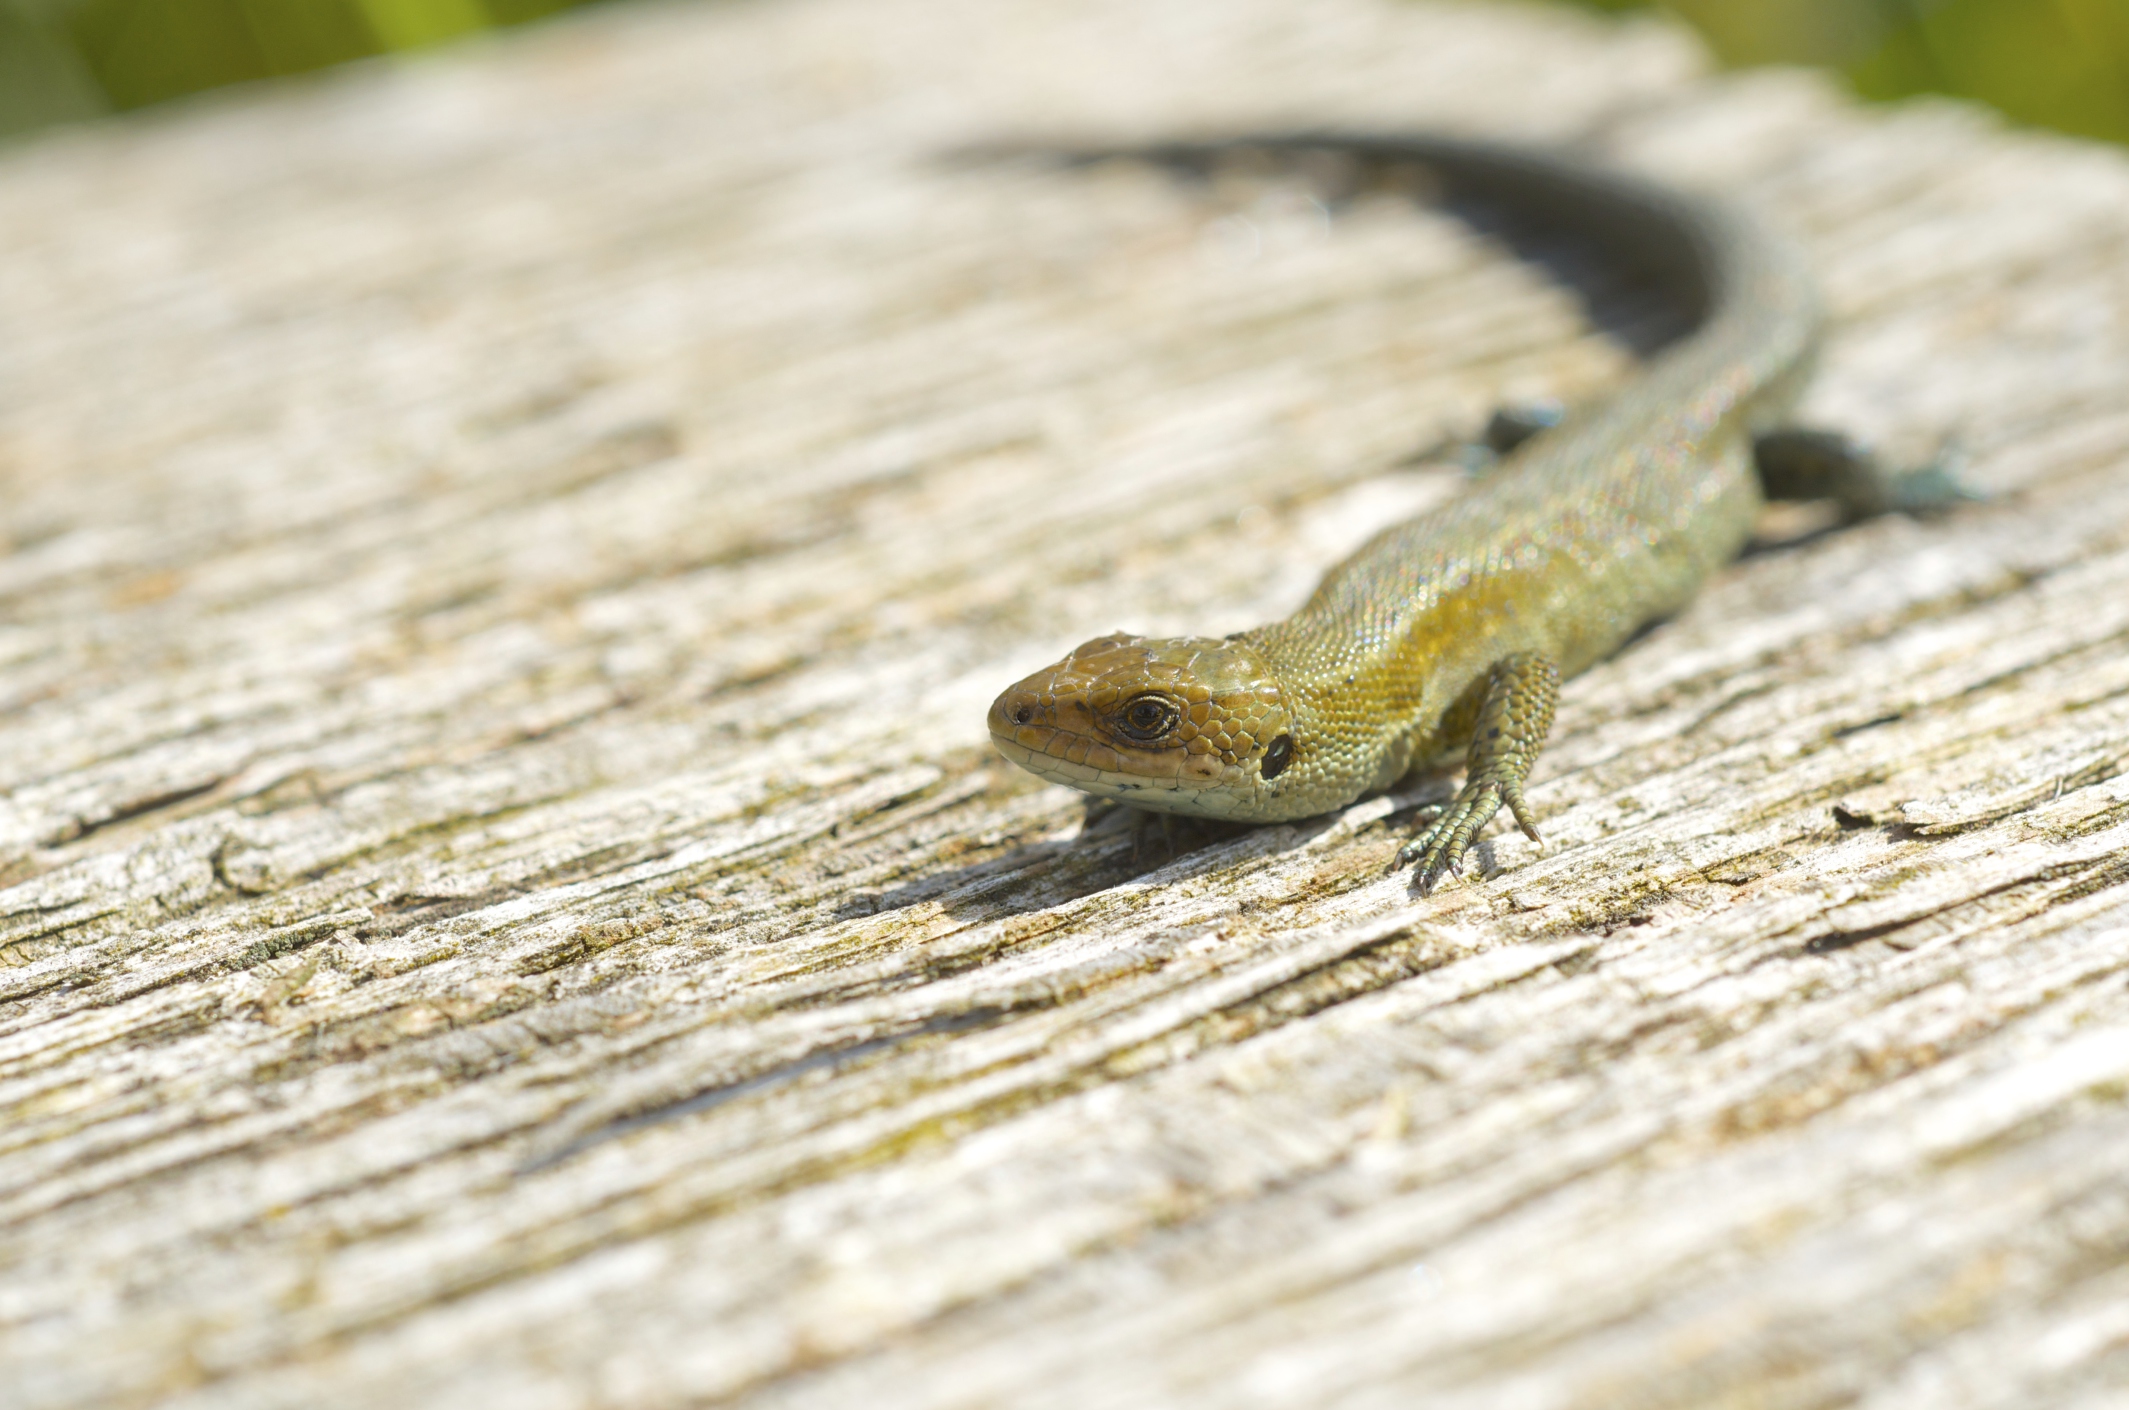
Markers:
point(1225, 796)
point(1059, 736)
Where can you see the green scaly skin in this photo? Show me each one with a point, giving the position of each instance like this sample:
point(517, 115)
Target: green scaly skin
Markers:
point(1457, 625)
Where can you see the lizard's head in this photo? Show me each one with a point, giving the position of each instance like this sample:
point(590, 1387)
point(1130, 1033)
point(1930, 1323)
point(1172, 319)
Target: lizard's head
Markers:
point(1186, 725)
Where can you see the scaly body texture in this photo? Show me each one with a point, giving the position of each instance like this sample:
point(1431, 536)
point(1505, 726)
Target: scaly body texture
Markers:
point(1457, 625)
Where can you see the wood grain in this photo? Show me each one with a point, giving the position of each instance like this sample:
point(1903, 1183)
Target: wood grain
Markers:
point(508, 899)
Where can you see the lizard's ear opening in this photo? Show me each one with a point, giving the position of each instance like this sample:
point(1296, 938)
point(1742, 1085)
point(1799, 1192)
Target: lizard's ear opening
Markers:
point(1277, 757)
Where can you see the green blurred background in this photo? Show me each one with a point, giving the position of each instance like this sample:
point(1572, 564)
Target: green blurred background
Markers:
point(2057, 63)
point(62, 60)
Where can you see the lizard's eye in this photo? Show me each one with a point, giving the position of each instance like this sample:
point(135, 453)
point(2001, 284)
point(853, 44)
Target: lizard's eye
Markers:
point(1149, 717)
point(1277, 757)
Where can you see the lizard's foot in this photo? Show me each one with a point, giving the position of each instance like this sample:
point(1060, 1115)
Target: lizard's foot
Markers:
point(1506, 430)
point(1441, 848)
point(1516, 422)
point(1797, 463)
point(1934, 487)
point(1513, 720)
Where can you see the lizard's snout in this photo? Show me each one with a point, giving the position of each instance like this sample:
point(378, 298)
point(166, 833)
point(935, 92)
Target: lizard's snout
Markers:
point(1016, 710)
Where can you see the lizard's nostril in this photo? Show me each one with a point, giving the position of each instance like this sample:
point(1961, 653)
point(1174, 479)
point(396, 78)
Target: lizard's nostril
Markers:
point(1013, 709)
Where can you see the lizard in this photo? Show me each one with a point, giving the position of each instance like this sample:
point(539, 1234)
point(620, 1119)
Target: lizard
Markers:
point(1457, 626)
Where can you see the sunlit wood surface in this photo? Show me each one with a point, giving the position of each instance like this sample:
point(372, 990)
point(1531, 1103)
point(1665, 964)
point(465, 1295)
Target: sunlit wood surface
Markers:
point(509, 902)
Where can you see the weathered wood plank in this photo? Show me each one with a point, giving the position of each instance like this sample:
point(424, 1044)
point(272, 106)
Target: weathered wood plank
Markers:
point(509, 900)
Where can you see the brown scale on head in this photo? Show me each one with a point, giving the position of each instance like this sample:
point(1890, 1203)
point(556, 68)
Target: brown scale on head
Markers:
point(1195, 725)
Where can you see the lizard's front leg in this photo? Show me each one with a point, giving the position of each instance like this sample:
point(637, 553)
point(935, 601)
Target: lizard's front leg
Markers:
point(1513, 721)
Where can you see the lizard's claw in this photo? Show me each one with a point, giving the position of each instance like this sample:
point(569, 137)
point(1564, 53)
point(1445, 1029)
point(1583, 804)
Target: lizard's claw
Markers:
point(1442, 846)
